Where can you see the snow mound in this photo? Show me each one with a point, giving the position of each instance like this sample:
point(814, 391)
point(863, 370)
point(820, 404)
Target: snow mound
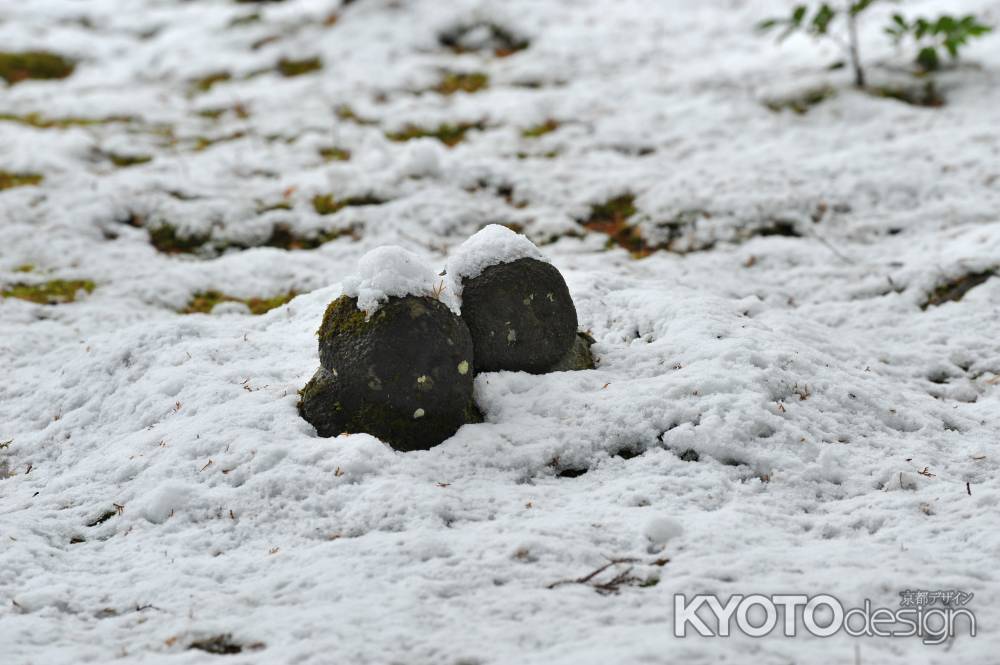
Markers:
point(389, 271)
point(492, 245)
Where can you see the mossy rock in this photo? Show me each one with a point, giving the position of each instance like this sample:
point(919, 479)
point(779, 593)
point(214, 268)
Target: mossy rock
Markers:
point(578, 357)
point(404, 374)
point(17, 67)
point(521, 316)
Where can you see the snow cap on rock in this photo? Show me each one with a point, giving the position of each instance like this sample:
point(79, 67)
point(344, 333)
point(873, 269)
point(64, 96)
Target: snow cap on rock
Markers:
point(389, 271)
point(492, 245)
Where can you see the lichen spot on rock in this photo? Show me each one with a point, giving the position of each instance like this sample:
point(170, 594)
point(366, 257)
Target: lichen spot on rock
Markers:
point(419, 413)
point(463, 367)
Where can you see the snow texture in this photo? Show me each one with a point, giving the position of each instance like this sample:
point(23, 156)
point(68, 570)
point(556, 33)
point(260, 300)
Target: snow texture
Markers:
point(389, 271)
point(769, 380)
point(492, 245)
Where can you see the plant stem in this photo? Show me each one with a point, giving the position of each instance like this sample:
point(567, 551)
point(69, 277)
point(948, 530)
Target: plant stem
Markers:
point(852, 34)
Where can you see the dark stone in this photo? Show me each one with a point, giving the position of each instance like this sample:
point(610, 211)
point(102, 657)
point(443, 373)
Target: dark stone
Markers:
point(404, 375)
point(521, 316)
point(578, 356)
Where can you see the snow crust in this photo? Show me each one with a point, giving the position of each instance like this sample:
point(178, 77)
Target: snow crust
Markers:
point(389, 271)
point(492, 245)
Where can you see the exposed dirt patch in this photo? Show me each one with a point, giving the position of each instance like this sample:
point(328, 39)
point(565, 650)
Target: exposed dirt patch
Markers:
point(224, 645)
point(289, 67)
point(542, 129)
point(335, 154)
point(483, 36)
point(954, 290)
point(926, 95)
point(53, 292)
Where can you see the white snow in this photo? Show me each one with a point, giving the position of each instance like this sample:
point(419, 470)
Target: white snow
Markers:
point(660, 530)
point(492, 245)
point(846, 437)
point(389, 271)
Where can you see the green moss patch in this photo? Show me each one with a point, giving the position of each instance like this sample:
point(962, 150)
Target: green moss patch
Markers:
point(204, 301)
point(206, 83)
point(540, 130)
point(327, 204)
point(166, 238)
point(9, 179)
point(612, 211)
point(17, 67)
point(54, 292)
point(123, 161)
point(469, 82)
point(448, 133)
point(954, 290)
point(282, 237)
point(800, 103)
point(288, 67)
point(335, 154)
point(343, 317)
point(42, 122)
point(550, 154)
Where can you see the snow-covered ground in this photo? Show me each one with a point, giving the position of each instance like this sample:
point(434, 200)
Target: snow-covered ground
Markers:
point(158, 488)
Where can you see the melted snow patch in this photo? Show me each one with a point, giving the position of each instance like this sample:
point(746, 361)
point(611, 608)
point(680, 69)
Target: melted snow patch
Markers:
point(492, 245)
point(389, 271)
